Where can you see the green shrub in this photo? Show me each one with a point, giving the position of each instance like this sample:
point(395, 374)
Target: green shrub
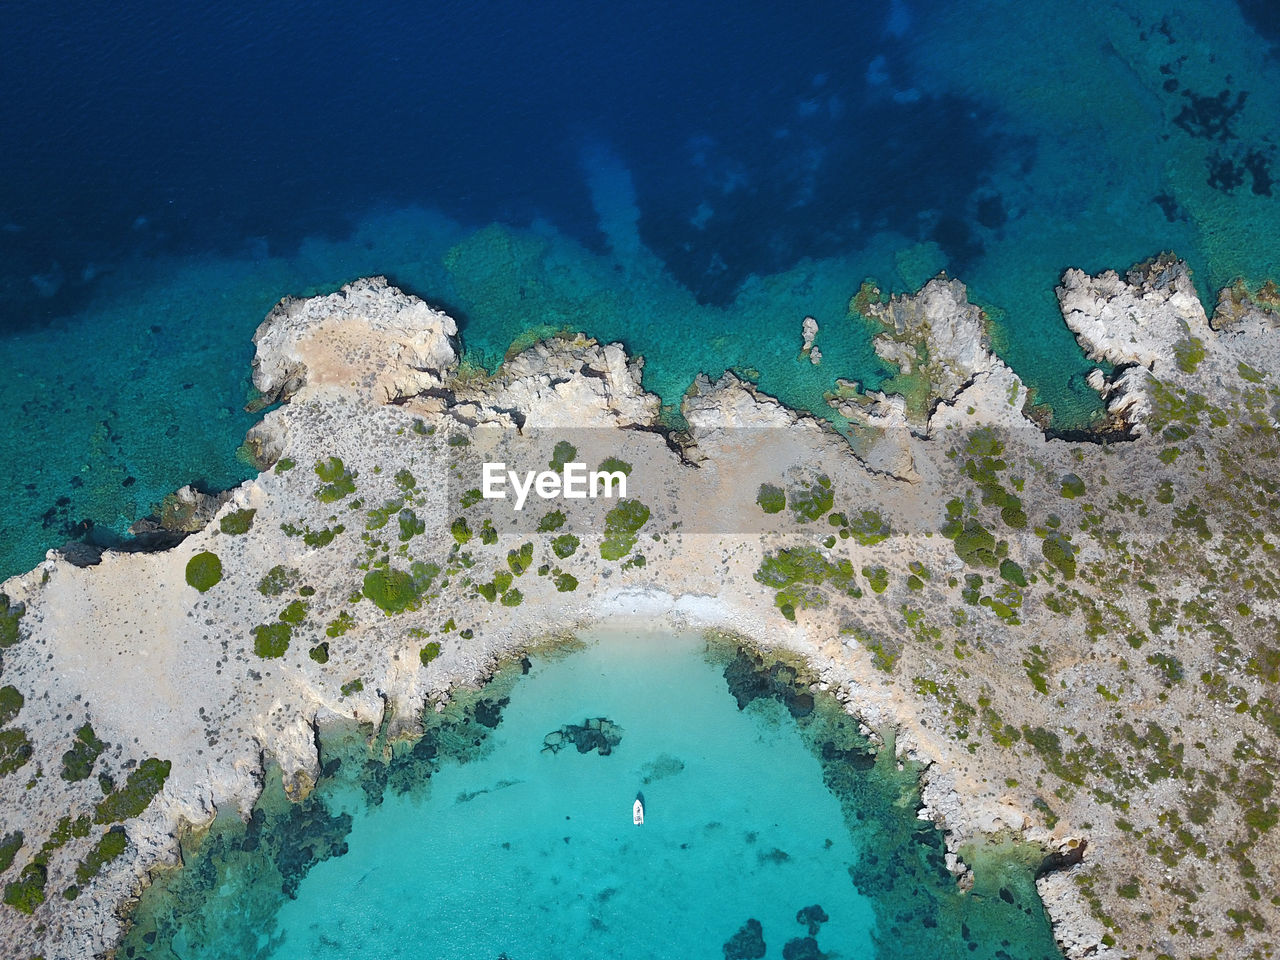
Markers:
point(406, 481)
point(877, 578)
point(811, 500)
point(277, 580)
point(285, 465)
point(27, 892)
point(461, 531)
point(340, 624)
point(1011, 571)
point(392, 591)
point(10, 614)
point(565, 545)
point(10, 844)
point(271, 640)
point(320, 652)
point(204, 570)
point(146, 780)
point(564, 452)
point(974, 543)
point(1057, 549)
point(352, 686)
point(621, 526)
point(552, 521)
point(110, 846)
point(771, 499)
point(11, 702)
point(1072, 486)
point(614, 465)
point(520, 560)
point(869, 528)
point(512, 598)
point(294, 613)
point(336, 480)
point(410, 525)
point(15, 750)
point(237, 522)
point(77, 763)
point(566, 582)
point(429, 652)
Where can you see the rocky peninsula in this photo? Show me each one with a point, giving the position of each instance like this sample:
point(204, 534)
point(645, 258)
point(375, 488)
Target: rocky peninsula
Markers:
point(1075, 635)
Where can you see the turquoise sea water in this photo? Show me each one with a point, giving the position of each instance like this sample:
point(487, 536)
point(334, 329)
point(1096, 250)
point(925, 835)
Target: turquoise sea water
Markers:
point(692, 183)
point(480, 842)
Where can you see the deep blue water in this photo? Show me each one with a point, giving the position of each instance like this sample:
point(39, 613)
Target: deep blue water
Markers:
point(693, 179)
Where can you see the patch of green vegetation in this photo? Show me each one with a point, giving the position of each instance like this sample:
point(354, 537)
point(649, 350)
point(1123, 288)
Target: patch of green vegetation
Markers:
point(1164, 493)
point(11, 701)
point(395, 591)
point(410, 525)
point(554, 520)
point(1011, 571)
point(377, 518)
point(1072, 486)
point(1248, 373)
point(10, 614)
point(869, 528)
point(798, 574)
point(502, 580)
point(566, 582)
point(429, 652)
point(565, 545)
point(974, 543)
point(352, 686)
point(10, 844)
point(336, 480)
point(143, 783)
point(421, 429)
point(621, 527)
point(204, 570)
point(77, 763)
point(406, 482)
point(771, 499)
point(471, 497)
point(1057, 549)
point(520, 560)
point(564, 452)
point(27, 892)
point(810, 500)
point(488, 590)
point(1188, 354)
point(294, 613)
point(285, 465)
point(277, 580)
point(108, 847)
point(461, 531)
point(914, 583)
point(15, 750)
point(237, 522)
point(512, 598)
point(877, 578)
point(271, 640)
point(1036, 663)
point(614, 465)
point(340, 624)
point(488, 535)
point(320, 652)
point(1170, 667)
point(322, 538)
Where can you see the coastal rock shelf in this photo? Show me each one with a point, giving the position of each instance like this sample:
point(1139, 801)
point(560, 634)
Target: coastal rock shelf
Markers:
point(1075, 636)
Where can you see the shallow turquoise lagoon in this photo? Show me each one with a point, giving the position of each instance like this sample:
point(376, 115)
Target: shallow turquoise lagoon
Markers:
point(481, 841)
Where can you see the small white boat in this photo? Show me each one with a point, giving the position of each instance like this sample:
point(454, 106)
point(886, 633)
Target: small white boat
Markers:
point(637, 813)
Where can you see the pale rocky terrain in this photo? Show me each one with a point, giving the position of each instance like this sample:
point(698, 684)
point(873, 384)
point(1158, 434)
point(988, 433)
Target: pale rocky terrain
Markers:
point(1077, 638)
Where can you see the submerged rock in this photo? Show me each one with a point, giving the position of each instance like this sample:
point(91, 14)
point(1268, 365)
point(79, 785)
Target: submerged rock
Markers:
point(599, 734)
point(747, 944)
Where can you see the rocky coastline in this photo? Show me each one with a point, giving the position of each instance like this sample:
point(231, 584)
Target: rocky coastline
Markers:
point(1075, 639)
